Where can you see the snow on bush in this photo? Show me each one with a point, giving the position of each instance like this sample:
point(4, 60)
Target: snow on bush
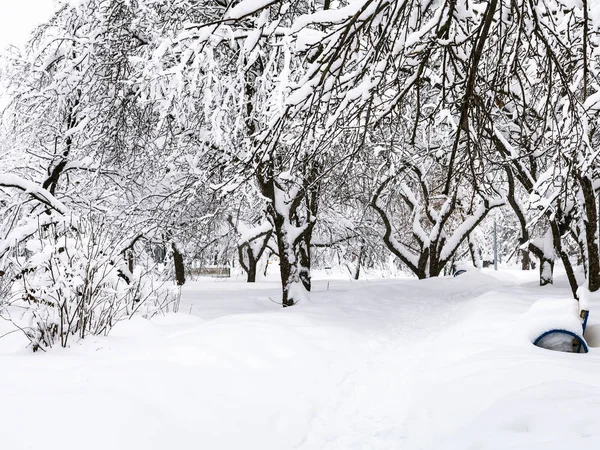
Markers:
point(72, 279)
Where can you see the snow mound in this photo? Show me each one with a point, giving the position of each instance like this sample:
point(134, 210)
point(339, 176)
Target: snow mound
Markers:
point(529, 419)
point(474, 280)
point(135, 327)
point(553, 314)
point(177, 319)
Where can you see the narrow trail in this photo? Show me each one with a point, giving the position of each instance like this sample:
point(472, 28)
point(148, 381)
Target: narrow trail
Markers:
point(379, 404)
point(370, 406)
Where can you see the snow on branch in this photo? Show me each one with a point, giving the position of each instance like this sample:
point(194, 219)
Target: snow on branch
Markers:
point(248, 7)
point(249, 234)
point(468, 225)
point(400, 250)
point(34, 190)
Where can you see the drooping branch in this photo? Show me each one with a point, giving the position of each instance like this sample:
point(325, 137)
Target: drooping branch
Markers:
point(34, 190)
point(406, 256)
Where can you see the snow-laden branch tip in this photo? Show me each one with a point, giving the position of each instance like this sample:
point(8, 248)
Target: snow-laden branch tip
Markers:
point(248, 7)
point(34, 190)
point(248, 234)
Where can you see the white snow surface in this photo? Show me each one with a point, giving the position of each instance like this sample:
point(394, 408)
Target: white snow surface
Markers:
point(553, 314)
point(445, 363)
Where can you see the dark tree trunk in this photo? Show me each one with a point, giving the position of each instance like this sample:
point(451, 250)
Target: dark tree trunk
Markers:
point(252, 263)
point(556, 234)
point(474, 252)
point(290, 258)
point(266, 265)
point(130, 260)
point(179, 266)
point(305, 262)
point(591, 227)
point(525, 259)
point(249, 254)
point(359, 262)
point(435, 269)
point(249, 258)
point(311, 199)
point(287, 267)
point(546, 263)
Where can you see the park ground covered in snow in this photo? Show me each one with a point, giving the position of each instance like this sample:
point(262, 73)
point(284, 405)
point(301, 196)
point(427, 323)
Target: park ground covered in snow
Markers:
point(444, 363)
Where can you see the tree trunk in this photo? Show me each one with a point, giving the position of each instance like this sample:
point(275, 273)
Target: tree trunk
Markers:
point(130, 260)
point(252, 263)
point(546, 255)
point(546, 271)
point(359, 262)
point(179, 266)
point(267, 265)
point(590, 221)
point(512, 200)
point(289, 269)
point(284, 221)
point(564, 258)
point(311, 199)
point(435, 271)
point(305, 262)
point(525, 259)
point(475, 253)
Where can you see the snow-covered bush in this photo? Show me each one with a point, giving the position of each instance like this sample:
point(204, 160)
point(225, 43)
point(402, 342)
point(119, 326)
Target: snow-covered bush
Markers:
point(73, 279)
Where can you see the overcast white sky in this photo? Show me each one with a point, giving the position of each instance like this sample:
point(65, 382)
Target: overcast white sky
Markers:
point(18, 17)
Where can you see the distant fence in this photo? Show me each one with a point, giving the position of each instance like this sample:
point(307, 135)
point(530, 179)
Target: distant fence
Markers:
point(212, 271)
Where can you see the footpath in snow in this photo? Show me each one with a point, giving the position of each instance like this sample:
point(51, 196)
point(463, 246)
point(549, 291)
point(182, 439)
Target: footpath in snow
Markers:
point(389, 364)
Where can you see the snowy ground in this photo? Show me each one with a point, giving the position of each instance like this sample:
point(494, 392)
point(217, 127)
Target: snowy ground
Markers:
point(384, 364)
